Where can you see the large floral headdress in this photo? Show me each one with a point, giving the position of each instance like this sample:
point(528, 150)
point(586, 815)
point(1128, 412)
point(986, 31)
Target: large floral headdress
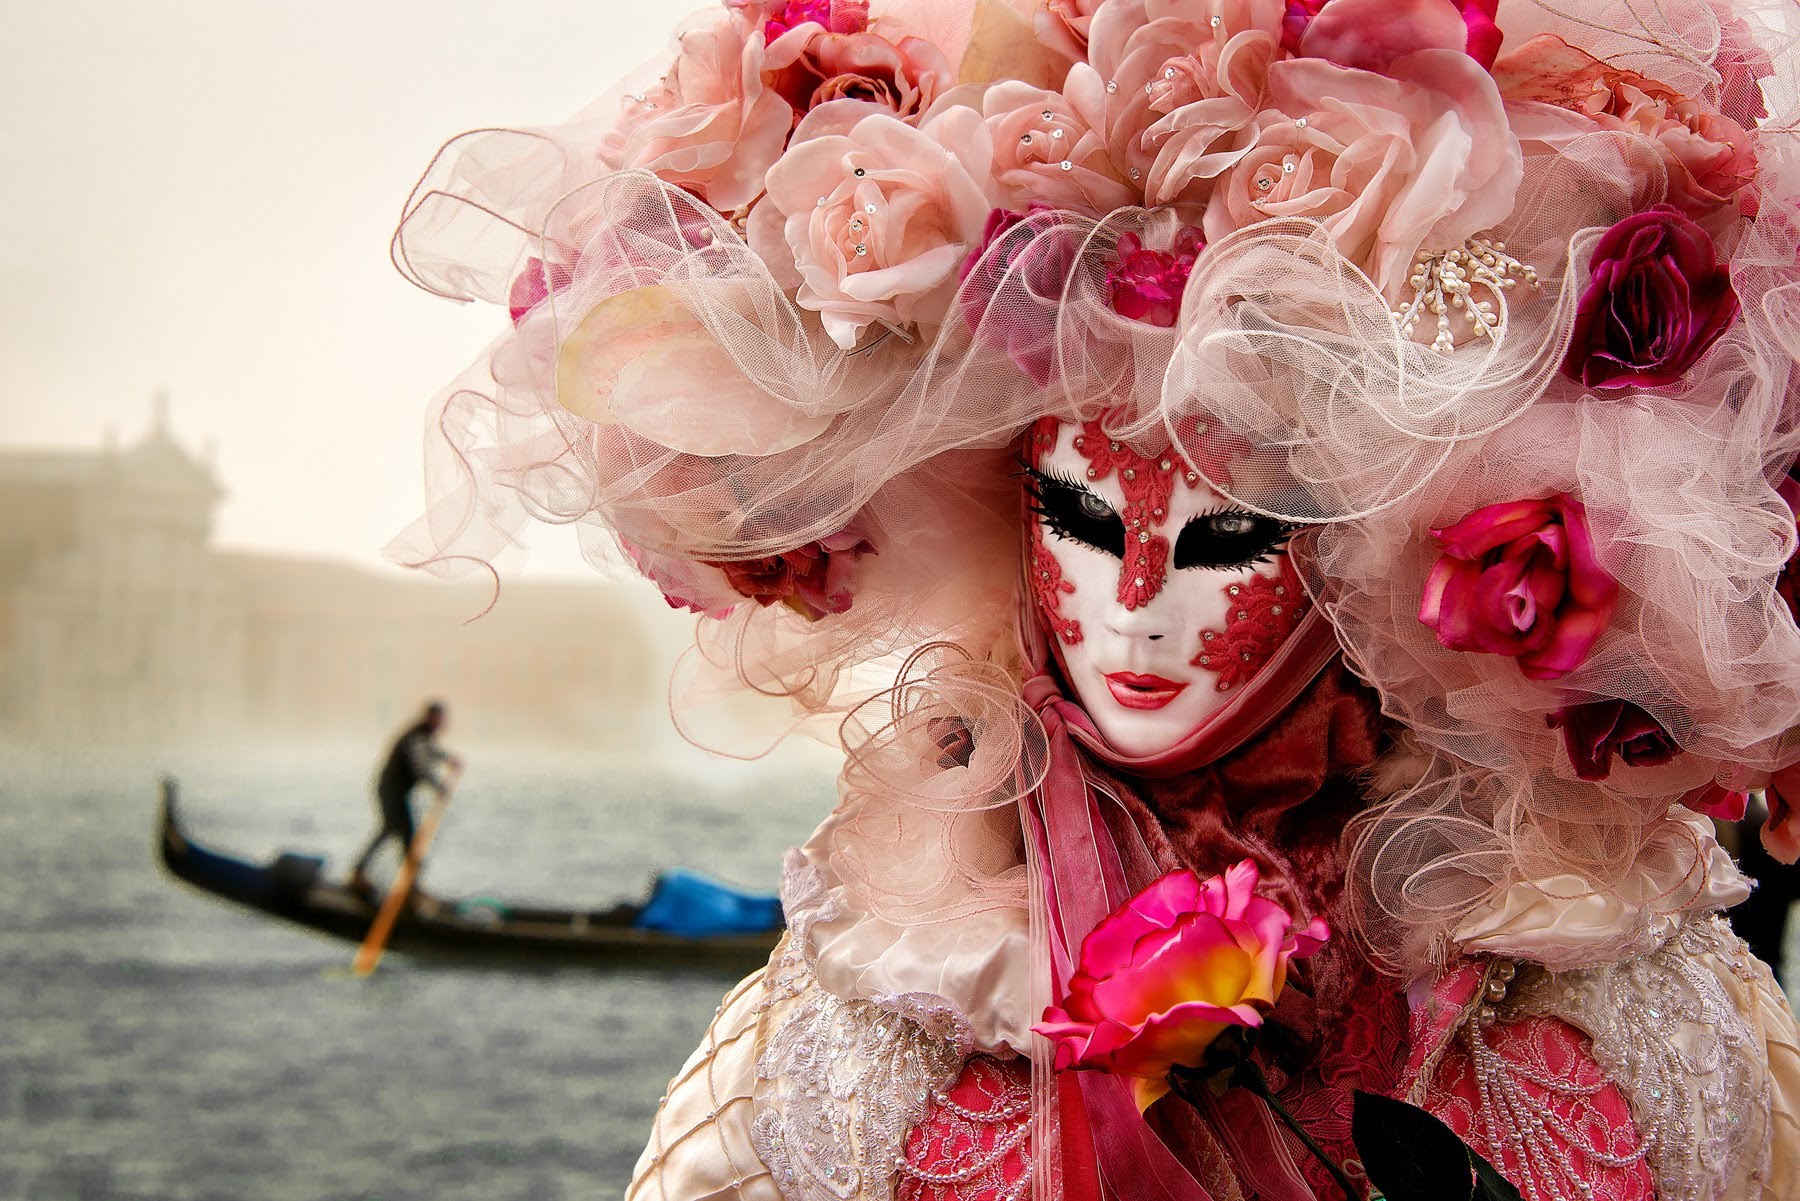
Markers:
point(1498, 295)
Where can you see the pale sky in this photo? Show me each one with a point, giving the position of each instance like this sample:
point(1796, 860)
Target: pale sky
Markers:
point(197, 197)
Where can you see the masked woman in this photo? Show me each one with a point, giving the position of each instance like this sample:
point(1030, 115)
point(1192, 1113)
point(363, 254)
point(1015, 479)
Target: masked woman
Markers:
point(1287, 504)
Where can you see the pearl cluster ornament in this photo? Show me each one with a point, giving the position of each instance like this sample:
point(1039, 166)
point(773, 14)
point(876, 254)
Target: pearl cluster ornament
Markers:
point(1451, 283)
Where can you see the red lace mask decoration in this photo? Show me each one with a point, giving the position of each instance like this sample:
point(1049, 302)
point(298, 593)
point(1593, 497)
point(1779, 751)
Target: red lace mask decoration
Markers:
point(1264, 611)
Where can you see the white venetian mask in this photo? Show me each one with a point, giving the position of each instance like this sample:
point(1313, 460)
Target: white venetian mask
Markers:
point(1164, 595)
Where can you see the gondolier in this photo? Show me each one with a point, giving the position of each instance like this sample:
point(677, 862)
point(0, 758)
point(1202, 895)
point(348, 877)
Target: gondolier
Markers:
point(416, 758)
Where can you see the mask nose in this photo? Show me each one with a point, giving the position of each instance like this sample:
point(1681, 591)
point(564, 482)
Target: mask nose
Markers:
point(1151, 622)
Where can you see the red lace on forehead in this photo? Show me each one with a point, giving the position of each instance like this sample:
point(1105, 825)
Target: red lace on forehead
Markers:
point(1148, 483)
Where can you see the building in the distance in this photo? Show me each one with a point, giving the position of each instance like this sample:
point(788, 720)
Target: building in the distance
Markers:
point(120, 623)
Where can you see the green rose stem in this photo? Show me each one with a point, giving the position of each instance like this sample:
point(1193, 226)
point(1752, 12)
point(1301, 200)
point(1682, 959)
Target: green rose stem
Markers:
point(1187, 1083)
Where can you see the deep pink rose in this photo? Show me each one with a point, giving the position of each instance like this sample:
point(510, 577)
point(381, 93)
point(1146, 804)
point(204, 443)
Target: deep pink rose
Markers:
point(1146, 285)
point(1371, 34)
point(813, 580)
point(529, 288)
point(1594, 732)
point(1718, 802)
point(1299, 15)
point(810, 66)
point(1781, 831)
point(1656, 299)
point(1521, 579)
point(837, 16)
point(1031, 265)
point(1163, 975)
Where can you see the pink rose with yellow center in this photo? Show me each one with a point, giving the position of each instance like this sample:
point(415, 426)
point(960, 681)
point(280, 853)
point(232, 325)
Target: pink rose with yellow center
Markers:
point(1164, 975)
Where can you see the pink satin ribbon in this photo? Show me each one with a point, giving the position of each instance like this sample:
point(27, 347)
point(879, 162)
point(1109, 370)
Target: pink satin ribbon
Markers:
point(1084, 879)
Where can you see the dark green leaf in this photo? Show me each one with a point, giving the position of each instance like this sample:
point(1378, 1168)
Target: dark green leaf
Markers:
point(1412, 1156)
point(1490, 1185)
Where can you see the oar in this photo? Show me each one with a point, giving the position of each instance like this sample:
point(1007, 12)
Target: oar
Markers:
point(375, 942)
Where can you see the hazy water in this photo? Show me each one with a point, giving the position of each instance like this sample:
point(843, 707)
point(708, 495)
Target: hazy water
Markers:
point(158, 1045)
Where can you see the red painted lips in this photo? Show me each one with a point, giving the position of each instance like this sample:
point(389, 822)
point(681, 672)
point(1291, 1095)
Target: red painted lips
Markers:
point(1136, 691)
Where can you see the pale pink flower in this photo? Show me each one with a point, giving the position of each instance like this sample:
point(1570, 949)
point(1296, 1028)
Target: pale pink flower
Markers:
point(1708, 155)
point(1421, 157)
point(1177, 85)
point(1048, 149)
point(1062, 25)
point(811, 65)
point(710, 125)
point(1166, 973)
point(872, 223)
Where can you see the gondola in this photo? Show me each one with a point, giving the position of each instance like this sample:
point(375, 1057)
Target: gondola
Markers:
point(292, 887)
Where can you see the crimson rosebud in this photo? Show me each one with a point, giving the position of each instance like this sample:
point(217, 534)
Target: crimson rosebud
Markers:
point(1146, 285)
point(1594, 732)
point(813, 580)
point(1657, 298)
point(1520, 579)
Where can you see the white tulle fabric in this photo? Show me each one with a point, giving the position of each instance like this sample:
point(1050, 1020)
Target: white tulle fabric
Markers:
point(913, 892)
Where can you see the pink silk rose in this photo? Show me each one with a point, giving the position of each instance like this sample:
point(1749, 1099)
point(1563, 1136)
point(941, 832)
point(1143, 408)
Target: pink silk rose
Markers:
point(1062, 25)
point(1048, 151)
point(1521, 579)
point(870, 225)
point(1718, 802)
point(1708, 155)
point(710, 125)
point(1657, 299)
point(1420, 157)
point(1596, 731)
point(810, 66)
point(1178, 78)
point(1165, 974)
point(813, 580)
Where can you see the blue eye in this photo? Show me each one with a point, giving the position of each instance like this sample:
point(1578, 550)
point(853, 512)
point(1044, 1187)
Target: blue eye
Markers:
point(1228, 539)
point(1070, 511)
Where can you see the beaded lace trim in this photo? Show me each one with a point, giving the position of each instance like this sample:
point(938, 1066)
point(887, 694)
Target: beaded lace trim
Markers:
point(1663, 1027)
point(842, 1082)
point(845, 1083)
point(974, 1151)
